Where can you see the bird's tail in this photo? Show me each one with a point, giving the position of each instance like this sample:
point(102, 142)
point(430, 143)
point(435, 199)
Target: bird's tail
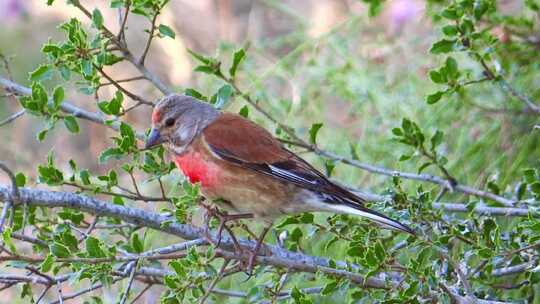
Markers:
point(372, 215)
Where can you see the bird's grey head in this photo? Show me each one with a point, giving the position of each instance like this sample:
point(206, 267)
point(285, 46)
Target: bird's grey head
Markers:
point(178, 119)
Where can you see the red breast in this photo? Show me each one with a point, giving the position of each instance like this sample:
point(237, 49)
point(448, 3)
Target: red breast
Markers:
point(198, 168)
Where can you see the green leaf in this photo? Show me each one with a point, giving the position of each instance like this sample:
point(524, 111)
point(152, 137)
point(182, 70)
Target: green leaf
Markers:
point(529, 175)
point(20, 179)
point(436, 139)
point(329, 166)
point(288, 221)
point(353, 149)
point(306, 218)
point(535, 187)
point(41, 135)
point(205, 69)
point(39, 95)
point(195, 94)
point(313, 131)
point(450, 30)
point(58, 96)
point(87, 68)
point(375, 7)
point(59, 250)
point(115, 104)
point(244, 111)
point(435, 97)
point(329, 288)
point(71, 124)
point(110, 153)
point(238, 56)
point(451, 68)
point(85, 177)
point(117, 3)
point(43, 72)
point(405, 157)
point(47, 264)
point(223, 96)
point(436, 77)
point(50, 2)
point(204, 59)
point(166, 31)
point(451, 14)
point(480, 8)
point(97, 18)
point(397, 132)
point(6, 235)
point(136, 243)
point(520, 190)
point(443, 46)
point(424, 166)
point(93, 247)
point(493, 187)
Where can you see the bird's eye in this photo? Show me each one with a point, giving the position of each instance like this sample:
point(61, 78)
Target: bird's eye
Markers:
point(169, 122)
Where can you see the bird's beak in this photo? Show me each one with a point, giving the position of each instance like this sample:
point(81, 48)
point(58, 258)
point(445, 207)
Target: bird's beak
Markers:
point(154, 139)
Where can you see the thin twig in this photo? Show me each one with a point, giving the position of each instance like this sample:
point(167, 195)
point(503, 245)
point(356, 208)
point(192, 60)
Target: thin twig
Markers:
point(130, 281)
point(121, 34)
point(12, 117)
point(141, 293)
point(121, 88)
point(122, 80)
point(5, 60)
point(150, 37)
point(12, 198)
point(212, 284)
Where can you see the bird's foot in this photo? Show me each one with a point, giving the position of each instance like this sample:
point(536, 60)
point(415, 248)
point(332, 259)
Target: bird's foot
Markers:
point(253, 253)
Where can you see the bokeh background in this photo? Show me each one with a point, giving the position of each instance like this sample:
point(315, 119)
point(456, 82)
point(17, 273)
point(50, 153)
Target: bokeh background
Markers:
point(308, 61)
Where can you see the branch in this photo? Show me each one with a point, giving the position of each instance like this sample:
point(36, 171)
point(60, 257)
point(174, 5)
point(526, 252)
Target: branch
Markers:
point(419, 177)
point(139, 99)
point(485, 210)
point(276, 256)
point(515, 269)
point(12, 117)
point(150, 37)
point(11, 197)
point(65, 106)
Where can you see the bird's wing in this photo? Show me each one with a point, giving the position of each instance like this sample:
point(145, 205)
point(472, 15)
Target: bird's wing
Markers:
point(244, 143)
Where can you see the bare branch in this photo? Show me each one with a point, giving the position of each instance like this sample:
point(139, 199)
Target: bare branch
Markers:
point(121, 88)
point(11, 198)
point(486, 210)
point(278, 256)
point(123, 20)
point(216, 279)
point(150, 37)
point(133, 267)
point(12, 117)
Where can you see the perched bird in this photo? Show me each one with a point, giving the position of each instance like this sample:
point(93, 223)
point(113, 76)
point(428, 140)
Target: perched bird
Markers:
point(245, 167)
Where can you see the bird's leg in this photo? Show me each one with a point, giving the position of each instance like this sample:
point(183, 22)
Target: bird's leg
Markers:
point(255, 252)
point(236, 244)
point(223, 219)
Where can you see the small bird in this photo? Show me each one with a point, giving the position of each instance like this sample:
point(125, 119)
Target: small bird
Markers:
point(242, 167)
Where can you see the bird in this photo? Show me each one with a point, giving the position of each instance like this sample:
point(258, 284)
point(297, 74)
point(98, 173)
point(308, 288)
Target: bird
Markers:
point(246, 170)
